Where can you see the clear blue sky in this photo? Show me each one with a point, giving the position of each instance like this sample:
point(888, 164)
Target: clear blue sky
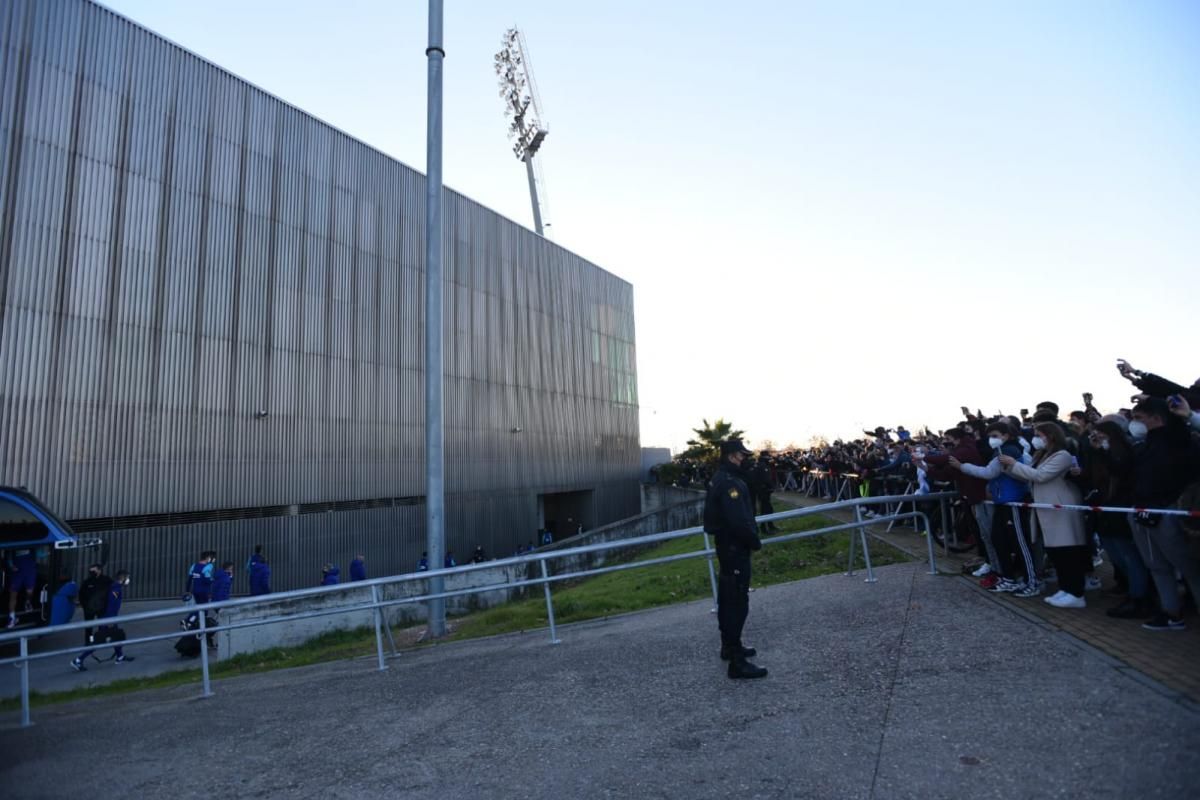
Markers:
point(834, 215)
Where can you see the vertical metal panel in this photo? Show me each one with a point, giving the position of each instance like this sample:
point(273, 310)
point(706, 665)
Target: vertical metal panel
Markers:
point(180, 250)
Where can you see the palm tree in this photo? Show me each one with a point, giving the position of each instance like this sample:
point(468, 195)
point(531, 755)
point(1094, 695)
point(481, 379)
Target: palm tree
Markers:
point(707, 444)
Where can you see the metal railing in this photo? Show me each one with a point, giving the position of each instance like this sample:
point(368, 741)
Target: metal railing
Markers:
point(377, 603)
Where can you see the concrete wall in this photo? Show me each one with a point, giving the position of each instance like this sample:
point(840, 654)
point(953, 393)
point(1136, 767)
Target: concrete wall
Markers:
point(296, 632)
point(685, 514)
point(673, 516)
point(652, 457)
point(656, 495)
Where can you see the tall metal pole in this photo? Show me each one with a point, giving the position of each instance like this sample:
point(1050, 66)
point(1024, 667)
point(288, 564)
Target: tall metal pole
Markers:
point(537, 211)
point(435, 467)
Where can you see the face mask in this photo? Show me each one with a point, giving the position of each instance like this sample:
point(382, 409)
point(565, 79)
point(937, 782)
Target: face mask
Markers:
point(1105, 444)
point(1138, 430)
point(1038, 443)
point(995, 442)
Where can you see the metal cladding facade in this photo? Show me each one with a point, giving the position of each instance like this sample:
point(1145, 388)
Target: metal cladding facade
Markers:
point(212, 324)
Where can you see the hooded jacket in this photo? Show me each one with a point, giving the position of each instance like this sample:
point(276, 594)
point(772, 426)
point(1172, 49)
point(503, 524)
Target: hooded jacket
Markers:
point(330, 577)
point(260, 577)
point(1003, 488)
point(222, 585)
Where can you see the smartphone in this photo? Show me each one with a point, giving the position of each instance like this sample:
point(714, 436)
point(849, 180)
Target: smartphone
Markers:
point(1174, 401)
point(1024, 413)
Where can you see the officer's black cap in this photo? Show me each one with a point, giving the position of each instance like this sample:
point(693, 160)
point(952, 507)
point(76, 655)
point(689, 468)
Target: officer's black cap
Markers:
point(732, 446)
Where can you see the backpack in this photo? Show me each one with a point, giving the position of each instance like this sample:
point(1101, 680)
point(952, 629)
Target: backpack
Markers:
point(97, 599)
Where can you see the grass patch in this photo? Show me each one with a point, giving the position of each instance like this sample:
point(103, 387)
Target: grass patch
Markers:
point(591, 598)
point(680, 581)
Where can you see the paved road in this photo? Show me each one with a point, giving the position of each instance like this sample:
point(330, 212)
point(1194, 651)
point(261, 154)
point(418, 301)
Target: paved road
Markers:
point(916, 686)
point(56, 675)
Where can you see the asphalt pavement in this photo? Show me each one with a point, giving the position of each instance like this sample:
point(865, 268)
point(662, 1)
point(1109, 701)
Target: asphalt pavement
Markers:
point(913, 687)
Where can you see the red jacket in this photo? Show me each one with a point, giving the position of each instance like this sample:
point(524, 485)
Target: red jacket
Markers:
point(973, 490)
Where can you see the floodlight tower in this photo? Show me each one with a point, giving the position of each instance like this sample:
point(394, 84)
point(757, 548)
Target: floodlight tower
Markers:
point(522, 107)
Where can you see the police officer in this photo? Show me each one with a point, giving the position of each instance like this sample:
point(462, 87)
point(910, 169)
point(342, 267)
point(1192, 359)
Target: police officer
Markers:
point(729, 517)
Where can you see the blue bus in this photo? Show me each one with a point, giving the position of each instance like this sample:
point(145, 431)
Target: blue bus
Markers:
point(36, 549)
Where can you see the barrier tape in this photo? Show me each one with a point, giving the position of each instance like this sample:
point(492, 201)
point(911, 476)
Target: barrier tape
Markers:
point(1174, 512)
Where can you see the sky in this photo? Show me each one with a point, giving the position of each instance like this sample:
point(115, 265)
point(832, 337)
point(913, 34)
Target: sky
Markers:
point(834, 215)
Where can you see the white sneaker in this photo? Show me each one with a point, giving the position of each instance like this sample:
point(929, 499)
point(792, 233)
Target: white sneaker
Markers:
point(1065, 600)
point(12, 620)
point(1054, 596)
point(1092, 584)
point(985, 569)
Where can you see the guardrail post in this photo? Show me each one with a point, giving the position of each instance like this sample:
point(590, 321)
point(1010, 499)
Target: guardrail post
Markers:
point(850, 562)
point(946, 527)
point(207, 692)
point(712, 574)
point(378, 626)
point(929, 539)
point(25, 720)
point(549, 604)
point(862, 533)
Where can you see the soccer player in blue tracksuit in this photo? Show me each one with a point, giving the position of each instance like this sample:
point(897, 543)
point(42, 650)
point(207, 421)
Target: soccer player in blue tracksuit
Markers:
point(200, 578)
point(22, 575)
point(222, 585)
point(62, 608)
point(116, 593)
point(329, 575)
point(358, 569)
point(260, 573)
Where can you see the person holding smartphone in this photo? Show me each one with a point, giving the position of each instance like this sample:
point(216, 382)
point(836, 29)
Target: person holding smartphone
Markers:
point(1010, 524)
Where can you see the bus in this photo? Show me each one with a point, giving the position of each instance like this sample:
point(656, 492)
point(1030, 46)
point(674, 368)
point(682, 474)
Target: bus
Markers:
point(37, 549)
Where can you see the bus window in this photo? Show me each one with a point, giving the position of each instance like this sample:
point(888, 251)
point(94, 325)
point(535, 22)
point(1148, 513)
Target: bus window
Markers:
point(19, 525)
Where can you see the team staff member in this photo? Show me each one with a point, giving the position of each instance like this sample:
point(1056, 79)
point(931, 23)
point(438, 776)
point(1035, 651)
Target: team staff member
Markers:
point(729, 517)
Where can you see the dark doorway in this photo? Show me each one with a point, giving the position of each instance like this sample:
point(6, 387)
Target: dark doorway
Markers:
point(564, 513)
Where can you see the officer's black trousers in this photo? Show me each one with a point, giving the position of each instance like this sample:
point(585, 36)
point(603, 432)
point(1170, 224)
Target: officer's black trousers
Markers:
point(733, 594)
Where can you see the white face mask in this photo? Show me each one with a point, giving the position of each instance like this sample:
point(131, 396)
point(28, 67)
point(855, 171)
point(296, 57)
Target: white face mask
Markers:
point(1138, 430)
point(1038, 443)
point(995, 442)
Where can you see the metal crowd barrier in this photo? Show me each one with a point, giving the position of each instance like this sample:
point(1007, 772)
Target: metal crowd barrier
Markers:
point(377, 603)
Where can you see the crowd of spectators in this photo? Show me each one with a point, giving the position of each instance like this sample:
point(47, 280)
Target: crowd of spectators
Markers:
point(1145, 457)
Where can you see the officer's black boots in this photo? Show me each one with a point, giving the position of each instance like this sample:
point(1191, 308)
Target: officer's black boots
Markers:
point(728, 651)
point(740, 668)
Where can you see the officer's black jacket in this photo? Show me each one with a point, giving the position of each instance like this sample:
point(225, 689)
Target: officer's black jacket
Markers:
point(729, 509)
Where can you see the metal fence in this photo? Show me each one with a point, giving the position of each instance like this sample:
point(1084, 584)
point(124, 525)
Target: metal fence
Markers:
point(378, 603)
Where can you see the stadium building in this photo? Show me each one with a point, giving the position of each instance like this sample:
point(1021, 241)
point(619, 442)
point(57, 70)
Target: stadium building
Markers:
point(211, 326)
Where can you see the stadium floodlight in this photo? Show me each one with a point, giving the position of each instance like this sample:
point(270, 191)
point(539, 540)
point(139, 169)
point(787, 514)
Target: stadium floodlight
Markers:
point(527, 128)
